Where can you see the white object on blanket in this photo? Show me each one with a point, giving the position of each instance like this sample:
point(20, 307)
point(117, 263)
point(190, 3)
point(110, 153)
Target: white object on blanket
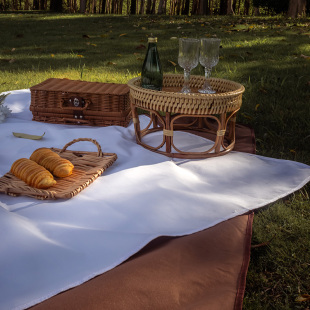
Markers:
point(49, 246)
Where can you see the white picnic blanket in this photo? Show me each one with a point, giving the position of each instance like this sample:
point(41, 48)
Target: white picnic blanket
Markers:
point(49, 246)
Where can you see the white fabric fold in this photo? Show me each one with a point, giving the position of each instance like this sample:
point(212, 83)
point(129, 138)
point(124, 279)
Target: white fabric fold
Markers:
point(50, 246)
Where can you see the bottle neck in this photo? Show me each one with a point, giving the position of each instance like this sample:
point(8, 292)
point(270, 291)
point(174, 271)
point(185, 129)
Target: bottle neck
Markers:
point(152, 45)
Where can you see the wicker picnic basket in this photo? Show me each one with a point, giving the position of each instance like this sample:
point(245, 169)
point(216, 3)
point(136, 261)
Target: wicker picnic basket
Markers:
point(64, 101)
point(88, 166)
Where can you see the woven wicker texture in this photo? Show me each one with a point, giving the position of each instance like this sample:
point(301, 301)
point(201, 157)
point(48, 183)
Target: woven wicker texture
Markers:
point(88, 166)
point(228, 96)
point(106, 104)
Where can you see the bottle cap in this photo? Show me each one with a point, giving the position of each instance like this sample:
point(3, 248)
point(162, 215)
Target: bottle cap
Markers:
point(152, 40)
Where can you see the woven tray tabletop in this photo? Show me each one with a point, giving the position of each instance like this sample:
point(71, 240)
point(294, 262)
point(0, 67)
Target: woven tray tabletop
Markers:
point(88, 166)
point(228, 96)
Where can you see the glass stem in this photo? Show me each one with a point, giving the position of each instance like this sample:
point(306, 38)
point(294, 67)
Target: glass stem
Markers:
point(207, 72)
point(207, 75)
point(187, 74)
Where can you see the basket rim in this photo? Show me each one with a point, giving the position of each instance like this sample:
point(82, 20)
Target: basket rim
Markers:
point(240, 88)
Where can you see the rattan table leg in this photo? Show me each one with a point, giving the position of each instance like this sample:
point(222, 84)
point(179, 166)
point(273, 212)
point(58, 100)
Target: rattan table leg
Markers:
point(168, 130)
point(135, 118)
point(220, 132)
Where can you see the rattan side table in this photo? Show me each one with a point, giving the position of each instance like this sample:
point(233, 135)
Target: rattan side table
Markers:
point(170, 111)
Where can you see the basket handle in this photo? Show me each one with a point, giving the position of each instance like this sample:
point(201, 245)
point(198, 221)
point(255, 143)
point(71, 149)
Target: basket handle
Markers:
point(100, 154)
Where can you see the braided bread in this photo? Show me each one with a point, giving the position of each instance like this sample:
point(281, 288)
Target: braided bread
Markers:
point(57, 165)
point(32, 173)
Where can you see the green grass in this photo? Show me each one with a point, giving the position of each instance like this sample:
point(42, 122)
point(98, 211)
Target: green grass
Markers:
point(268, 55)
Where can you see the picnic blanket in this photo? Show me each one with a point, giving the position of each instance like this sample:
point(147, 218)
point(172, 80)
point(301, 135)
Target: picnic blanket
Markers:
point(51, 246)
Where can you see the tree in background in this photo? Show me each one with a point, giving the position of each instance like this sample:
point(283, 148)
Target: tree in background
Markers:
point(162, 7)
point(56, 5)
point(292, 8)
point(297, 8)
point(82, 6)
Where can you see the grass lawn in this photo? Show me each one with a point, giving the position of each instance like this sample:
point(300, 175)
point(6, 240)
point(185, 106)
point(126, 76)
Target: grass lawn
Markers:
point(270, 56)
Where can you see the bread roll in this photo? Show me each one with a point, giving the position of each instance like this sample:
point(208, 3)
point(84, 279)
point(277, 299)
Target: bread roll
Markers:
point(51, 161)
point(32, 173)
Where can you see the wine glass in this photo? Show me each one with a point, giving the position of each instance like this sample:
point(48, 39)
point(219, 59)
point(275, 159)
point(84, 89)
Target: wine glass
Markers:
point(188, 59)
point(209, 58)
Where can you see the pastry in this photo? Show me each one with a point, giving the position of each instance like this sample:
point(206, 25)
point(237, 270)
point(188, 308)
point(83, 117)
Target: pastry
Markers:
point(51, 161)
point(32, 173)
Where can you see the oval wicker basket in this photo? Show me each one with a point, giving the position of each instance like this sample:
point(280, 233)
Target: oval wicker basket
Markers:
point(228, 96)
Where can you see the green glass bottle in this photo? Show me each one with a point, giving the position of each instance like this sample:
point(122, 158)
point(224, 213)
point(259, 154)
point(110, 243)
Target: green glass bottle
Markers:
point(152, 74)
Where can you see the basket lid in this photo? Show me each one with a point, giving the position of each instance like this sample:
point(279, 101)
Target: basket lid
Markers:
point(77, 86)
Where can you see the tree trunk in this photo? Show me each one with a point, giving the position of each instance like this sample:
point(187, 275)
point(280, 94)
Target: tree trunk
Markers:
point(162, 7)
point(246, 7)
point(133, 7)
point(141, 11)
point(195, 7)
point(56, 5)
point(185, 7)
point(256, 11)
point(35, 4)
point(26, 7)
point(234, 5)
point(223, 7)
point(82, 6)
point(296, 8)
point(93, 7)
point(202, 5)
point(230, 9)
point(153, 7)
point(238, 6)
point(148, 7)
point(120, 7)
point(178, 7)
point(15, 5)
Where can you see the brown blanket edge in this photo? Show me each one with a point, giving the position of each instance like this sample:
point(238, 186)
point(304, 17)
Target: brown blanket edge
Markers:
point(245, 264)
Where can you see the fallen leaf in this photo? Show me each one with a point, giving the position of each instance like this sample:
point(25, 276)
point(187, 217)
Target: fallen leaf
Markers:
point(104, 35)
point(173, 38)
point(303, 297)
point(52, 55)
point(123, 34)
point(246, 116)
point(304, 56)
point(256, 107)
point(110, 63)
point(13, 49)
point(27, 136)
point(81, 56)
point(143, 28)
point(140, 47)
point(86, 36)
point(172, 62)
